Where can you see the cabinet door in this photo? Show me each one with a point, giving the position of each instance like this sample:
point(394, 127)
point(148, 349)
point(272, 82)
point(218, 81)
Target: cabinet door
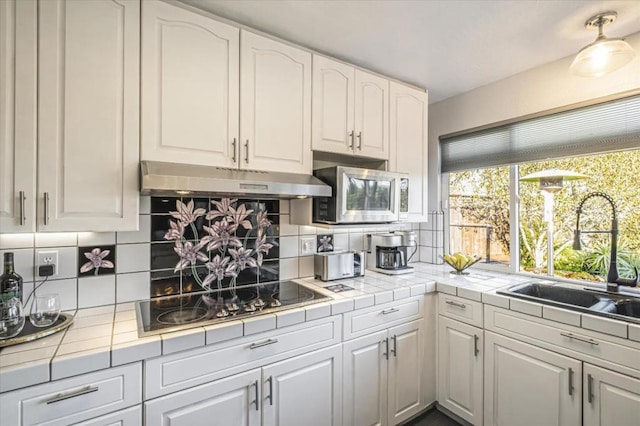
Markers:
point(275, 106)
point(460, 366)
point(190, 87)
point(333, 96)
point(231, 401)
point(610, 398)
point(372, 116)
point(88, 115)
point(406, 393)
point(408, 141)
point(526, 385)
point(365, 380)
point(306, 390)
point(18, 115)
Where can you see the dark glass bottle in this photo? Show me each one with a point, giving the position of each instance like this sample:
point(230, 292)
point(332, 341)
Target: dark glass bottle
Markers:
point(10, 281)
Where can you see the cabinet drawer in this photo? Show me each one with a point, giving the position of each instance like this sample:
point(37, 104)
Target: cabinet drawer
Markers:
point(609, 351)
point(183, 370)
point(75, 399)
point(127, 417)
point(460, 309)
point(365, 321)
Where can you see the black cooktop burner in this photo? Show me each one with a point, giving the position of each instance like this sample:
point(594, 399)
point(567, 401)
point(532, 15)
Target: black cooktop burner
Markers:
point(173, 313)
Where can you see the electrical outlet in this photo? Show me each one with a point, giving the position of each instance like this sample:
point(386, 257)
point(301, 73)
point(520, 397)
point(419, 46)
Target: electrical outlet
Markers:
point(307, 246)
point(48, 257)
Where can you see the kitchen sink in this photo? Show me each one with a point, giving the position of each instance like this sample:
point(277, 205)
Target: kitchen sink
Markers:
point(569, 296)
point(629, 308)
point(579, 298)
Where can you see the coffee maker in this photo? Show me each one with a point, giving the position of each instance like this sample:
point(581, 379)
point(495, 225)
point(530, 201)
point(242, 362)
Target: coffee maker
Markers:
point(391, 252)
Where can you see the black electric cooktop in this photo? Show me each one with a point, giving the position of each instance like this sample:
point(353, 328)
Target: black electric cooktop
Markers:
point(166, 314)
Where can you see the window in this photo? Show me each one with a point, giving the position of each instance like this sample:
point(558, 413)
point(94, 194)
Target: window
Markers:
point(482, 215)
point(479, 209)
point(494, 215)
point(615, 174)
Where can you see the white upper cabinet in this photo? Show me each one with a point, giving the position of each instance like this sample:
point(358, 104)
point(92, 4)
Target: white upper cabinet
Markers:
point(275, 106)
point(408, 124)
point(88, 115)
point(333, 100)
point(190, 87)
point(371, 116)
point(350, 110)
point(18, 41)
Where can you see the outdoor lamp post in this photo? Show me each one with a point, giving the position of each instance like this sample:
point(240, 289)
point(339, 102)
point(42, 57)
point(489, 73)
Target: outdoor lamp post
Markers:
point(551, 181)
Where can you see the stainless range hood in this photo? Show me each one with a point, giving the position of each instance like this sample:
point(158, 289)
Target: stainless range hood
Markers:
point(164, 179)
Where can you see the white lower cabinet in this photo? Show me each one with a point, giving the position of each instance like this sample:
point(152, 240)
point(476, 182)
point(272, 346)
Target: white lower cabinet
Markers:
point(526, 385)
point(301, 390)
point(610, 398)
point(460, 369)
point(77, 399)
point(231, 401)
point(383, 383)
point(306, 390)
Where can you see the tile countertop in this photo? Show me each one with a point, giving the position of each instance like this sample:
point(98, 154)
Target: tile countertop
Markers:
point(107, 336)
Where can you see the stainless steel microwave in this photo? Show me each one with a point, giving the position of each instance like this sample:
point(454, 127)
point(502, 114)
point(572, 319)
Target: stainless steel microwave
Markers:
point(362, 196)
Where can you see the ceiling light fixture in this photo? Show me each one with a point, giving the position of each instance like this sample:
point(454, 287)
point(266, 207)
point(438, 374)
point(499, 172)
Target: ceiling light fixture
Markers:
point(604, 55)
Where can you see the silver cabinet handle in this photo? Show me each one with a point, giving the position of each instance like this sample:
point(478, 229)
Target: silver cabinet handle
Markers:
point(360, 141)
point(390, 311)
point(23, 217)
point(270, 396)
point(580, 338)
point(263, 343)
point(385, 354)
point(246, 151)
point(257, 396)
point(570, 381)
point(456, 304)
point(395, 346)
point(233, 144)
point(590, 388)
point(351, 135)
point(62, 396)
point(476, 350)
point(46, 208)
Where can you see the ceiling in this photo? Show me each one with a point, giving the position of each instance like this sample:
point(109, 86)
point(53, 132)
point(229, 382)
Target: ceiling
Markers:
point(447, 46)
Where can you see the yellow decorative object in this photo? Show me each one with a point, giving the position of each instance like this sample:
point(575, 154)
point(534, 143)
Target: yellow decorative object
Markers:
point(460, 261)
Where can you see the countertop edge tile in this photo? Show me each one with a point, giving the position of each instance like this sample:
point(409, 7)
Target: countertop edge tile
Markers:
point(605, 325)
point(76, 363)
point(526, 307)
point(19, 376)
point(182, 340)
point(217, 333)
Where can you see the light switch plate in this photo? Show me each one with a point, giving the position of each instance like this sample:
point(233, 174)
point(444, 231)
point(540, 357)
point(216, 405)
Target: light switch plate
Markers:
point(308, 246)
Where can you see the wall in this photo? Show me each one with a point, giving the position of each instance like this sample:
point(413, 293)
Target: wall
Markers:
point(130, 279)
point(539, 89)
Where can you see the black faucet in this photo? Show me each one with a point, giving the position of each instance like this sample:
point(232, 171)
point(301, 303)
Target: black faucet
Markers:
point(613, 280)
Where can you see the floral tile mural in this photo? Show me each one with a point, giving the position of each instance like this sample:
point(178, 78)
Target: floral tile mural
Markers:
point(325, 243)
point(208, 244)
point(96, 260)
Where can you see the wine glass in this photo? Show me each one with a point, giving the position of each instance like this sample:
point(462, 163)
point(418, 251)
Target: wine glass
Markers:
point(45, 310)
point(11, 318)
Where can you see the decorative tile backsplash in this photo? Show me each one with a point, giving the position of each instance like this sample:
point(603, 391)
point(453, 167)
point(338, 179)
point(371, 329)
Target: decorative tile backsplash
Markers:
point(145, 263)
point(212, 243)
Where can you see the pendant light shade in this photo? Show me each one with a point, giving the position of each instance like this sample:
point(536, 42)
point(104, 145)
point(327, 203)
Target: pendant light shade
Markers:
point(604, 55)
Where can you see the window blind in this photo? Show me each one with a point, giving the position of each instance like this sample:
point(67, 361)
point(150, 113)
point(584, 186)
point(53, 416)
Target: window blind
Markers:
point(604, 127)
